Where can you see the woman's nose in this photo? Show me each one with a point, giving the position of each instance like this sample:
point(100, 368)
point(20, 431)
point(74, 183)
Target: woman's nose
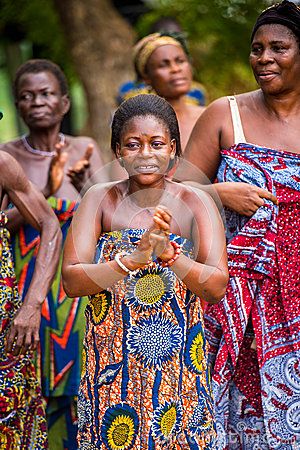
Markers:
point(146, 149)
point(38, 99)
point(266, 56)
point(175, 66)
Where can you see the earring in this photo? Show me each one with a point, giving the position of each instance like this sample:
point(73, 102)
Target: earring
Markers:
point(149, 89)
point(121, 162)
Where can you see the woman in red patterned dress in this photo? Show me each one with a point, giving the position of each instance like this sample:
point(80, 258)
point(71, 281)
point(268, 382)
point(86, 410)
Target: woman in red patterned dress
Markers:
point(251, 143)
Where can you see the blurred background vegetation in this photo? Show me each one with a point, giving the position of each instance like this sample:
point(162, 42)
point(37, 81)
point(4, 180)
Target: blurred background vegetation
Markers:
point(92, 40)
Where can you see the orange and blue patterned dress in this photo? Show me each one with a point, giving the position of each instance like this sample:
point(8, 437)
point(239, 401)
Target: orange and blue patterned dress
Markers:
point(145, 381)
point(22, 417)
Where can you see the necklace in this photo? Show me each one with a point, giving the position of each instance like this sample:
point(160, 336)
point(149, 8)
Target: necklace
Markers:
point(36, 151)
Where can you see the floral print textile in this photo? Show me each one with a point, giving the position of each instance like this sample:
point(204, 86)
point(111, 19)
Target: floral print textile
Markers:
point(22, 416)
point(145, 383)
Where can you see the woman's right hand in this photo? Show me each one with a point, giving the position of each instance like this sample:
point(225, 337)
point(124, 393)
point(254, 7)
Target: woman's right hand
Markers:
point(243, 198)
point(142, 254)
point(56, 171)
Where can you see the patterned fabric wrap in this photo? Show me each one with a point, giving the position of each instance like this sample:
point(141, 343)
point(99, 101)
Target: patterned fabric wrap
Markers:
point(22, 416)
point(256, 382)
point(145, 383)
point(62, 326)
point(196, 96)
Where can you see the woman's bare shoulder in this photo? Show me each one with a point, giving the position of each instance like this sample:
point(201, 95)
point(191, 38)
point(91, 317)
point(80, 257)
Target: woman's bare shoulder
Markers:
point(100, 191)
point(14, 147)
point(189, 193)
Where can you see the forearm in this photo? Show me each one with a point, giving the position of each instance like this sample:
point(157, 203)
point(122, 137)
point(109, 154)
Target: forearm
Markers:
point(88, 279)
point(46, 263)
point(15, 220)
point(207, 282)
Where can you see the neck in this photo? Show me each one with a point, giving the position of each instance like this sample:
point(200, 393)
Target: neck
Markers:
point(281, 105)
point(143, 199)
point(179, 104)
point(44, 140)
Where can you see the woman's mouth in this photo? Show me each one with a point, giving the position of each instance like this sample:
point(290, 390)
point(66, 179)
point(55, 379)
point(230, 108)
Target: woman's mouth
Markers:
point(146, 168)
point(266, 76)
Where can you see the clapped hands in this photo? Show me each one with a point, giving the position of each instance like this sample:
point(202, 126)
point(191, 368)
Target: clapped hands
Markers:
point(155, 242)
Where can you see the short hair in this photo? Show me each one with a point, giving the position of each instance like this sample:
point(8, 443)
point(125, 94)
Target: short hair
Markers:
point(144, 105)
point(37, 66)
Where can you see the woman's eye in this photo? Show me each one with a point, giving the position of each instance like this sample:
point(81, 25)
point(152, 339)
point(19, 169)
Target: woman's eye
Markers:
point(132, 145)
point(163, 64)
point(157, 144)
point(255, 50)
point(26, 96)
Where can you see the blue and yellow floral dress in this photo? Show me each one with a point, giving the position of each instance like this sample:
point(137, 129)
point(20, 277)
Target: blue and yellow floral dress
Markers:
point(145, 381)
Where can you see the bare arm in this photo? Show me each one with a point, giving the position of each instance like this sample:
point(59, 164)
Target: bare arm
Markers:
point(80, 275)
point(212, 132)
point(35, 210)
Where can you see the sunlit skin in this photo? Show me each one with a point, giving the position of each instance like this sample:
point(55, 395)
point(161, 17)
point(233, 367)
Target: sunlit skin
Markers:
point(169, 72)
point(42, 106)
point(147, 200)
point(270, 116)
point(24, 330)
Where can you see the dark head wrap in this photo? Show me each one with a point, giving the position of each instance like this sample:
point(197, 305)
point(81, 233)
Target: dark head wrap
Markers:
point(285, 13)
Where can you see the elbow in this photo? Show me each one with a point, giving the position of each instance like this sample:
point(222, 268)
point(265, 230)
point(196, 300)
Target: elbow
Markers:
point(69, 289)
point(217, 289)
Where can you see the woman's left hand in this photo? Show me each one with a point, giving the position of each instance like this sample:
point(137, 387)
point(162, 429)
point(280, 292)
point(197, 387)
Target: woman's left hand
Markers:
point(24, 331)
point(78, 174)
point(159, 235)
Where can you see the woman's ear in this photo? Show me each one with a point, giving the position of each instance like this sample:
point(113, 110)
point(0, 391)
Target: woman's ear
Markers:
point(118, 150)
point(118, 155)
point(66, 103)
point(173, 149)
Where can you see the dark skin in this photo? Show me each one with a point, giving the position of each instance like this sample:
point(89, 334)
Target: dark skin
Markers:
point(147, 200)
point(270, 116)
point(24, 331)
point(42, 106)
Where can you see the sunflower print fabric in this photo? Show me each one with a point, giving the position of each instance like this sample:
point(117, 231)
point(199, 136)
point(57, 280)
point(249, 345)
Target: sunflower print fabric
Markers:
point(145, 382)
point(22, 417)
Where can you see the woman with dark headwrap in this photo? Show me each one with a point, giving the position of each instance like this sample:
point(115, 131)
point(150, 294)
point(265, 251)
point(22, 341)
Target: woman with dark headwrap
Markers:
point(251, 142)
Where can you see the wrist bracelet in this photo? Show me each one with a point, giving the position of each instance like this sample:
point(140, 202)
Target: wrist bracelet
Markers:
point(177, 251)
point(120, 264)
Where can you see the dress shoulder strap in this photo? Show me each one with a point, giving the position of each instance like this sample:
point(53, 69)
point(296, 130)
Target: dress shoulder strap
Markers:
point(236, 120)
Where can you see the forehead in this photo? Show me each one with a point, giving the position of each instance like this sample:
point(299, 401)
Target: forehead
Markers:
point(274, 32)
point(39, 80)
point(168, 51)
point(145, 125)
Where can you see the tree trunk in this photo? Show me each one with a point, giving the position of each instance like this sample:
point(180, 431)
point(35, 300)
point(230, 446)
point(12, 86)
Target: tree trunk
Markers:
point(100, 42)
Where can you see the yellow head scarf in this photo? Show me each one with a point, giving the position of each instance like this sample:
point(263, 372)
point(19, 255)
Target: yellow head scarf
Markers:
point(146, 46)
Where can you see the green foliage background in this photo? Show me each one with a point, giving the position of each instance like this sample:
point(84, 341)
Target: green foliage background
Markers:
point(218, 33)
point(217, 30)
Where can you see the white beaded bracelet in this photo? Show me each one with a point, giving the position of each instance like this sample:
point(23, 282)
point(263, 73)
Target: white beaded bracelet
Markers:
point(120, 264)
